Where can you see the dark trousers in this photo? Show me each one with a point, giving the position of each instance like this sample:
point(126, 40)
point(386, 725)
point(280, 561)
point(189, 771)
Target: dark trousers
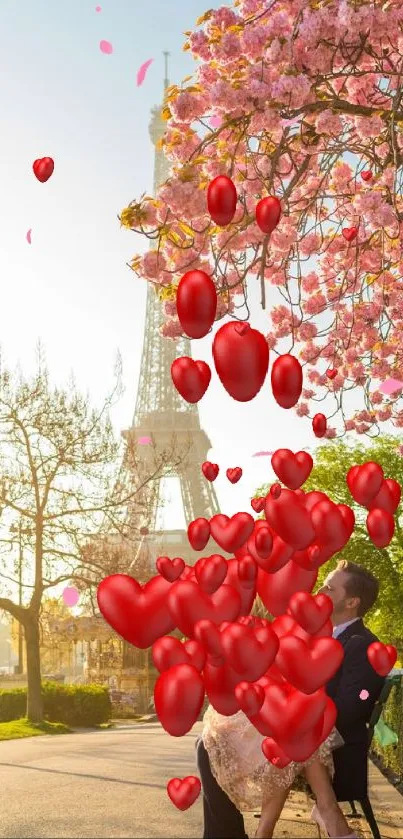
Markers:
point(222, 820)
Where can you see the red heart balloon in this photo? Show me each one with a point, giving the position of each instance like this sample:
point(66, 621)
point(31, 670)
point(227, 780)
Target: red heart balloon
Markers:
point(199, 534)
point(286, 625)
point(249, 697)
point(349, 233)
point(221, 200)
point(329, 524)
point(210, 572)
point(43, 168)
point(208, 634)
point(287, 713)
point(257, 504)
point(210, 470)
point(276, 589)
point(381, 527)
point(191, 378)
point(268, 213)
point(241, 360)
point(367, 175)
point(196, 303)
point(331, 373)
point(309, 667)
point(139, 614)
point(168, 651)
point(382, 657)
point(183, 792)
point(286, 380)
point(245, 653)
point(260, 543)
point(242, 580)
point(319, 425)
point(247, 572)
point(220, 683)
point(310, 612)
point(292, 469)
point(388, 497)
point(364, 482)
point(178, 698)
point(288, 517)
point(274, 754)
point(230, 534)
point(313, 498)
point(234, 475)
point(301, 748)
point(170, 569)
point(275, 490)
point(188, 604)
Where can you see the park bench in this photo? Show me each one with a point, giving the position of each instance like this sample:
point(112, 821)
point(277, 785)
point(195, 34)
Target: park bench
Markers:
point(393, 679)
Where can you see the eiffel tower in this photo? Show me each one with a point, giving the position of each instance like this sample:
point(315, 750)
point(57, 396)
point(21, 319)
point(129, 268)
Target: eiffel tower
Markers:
point(172, 424)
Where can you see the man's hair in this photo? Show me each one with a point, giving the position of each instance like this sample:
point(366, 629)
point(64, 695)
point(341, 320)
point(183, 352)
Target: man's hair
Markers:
point(359, 583)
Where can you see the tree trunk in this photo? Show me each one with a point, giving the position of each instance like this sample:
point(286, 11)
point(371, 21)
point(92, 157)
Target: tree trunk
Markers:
point(35, 701)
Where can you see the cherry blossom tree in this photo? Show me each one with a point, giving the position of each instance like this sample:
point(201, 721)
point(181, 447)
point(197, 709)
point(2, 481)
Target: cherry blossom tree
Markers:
point(301, 99)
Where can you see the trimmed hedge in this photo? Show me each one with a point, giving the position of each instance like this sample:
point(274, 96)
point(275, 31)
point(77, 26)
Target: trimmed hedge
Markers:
point(74, 705)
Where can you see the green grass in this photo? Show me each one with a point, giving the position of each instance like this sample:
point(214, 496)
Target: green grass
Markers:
point(16, 729)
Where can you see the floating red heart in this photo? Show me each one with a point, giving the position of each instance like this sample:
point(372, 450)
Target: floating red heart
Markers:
point(310, 612)
point(388, 497)
point(365, 481)
point(331, 526)
point(234, 474)
point(183, 792)
point(179, 688)
point(292, 469)
point(258, 504)
point(210, 470)
point(43, 168)
point(331, 372)
point(139, 614)
point(220, 682)
point(199, 534)
point(319, 425)
point(196, 303)
point(289, 518)
point(367, 175)
point(250, 697)
point(241, 361)
point(276, 589)
point(288, 713)
point(247, 572)
point(188, 604)
point(209, 636)
point(381, 527)
point(382, 657)
point(168, 651)
point(301, 748)
point(275, 490)
point(309, 667)
point(349, 233)
point(221, 200)
point(191, 378)
point(170, 569)
point(286, 380)
point(274, 754)
point(211, 572)
point(230, 534)
point(268, 213)
point(247, 655)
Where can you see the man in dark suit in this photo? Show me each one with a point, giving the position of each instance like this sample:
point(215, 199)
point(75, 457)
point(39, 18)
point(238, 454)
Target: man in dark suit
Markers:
point(354, 591)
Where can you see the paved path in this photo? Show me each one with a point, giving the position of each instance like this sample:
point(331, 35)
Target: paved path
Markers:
point(112, 783)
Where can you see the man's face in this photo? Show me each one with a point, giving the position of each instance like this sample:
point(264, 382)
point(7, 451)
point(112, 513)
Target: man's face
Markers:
point(344, 608)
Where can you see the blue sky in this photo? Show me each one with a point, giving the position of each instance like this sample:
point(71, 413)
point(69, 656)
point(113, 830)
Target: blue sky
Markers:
point(61, 97)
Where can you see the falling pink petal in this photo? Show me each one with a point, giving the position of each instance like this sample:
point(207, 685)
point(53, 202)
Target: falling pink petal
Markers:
point(71, 596)
point(215, 122)
point(262, 454)
point(28, 235)
point(287, 122)
point(106, 47)
point(144, 441)
point(364, 694)
point(98, 9)
point(391, 386)
point(141, 73)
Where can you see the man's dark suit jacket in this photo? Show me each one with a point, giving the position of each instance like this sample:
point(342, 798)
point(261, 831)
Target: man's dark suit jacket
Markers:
point(354, 675)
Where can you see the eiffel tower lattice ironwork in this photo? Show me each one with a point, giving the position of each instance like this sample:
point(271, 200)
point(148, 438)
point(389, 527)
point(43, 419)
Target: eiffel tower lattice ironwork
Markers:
point(162, 415)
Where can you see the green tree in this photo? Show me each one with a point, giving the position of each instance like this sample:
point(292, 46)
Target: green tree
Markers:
point(332, 462)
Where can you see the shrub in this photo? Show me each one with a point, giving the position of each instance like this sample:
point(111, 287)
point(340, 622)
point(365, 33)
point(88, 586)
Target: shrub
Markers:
point(75, 705)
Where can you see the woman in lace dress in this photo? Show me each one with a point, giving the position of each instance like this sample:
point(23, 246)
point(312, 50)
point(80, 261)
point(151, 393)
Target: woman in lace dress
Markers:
point(239, 766)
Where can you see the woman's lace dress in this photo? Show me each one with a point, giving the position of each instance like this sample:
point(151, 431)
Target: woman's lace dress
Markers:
point(239, 766)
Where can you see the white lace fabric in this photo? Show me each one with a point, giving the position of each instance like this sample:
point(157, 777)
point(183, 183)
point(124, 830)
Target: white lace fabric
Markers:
point(239, 766)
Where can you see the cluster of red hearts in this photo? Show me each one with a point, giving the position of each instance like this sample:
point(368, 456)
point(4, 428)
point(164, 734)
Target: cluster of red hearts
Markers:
point(275, 672)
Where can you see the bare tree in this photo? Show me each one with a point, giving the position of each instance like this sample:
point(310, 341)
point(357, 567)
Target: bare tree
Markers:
point(66, 484)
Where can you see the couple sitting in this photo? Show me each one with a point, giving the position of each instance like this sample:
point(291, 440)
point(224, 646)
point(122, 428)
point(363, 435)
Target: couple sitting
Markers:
point(237, 777)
